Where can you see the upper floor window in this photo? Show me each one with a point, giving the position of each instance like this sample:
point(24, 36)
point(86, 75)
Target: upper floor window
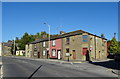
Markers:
point(67, 40)
point(53, 42)
point(85, 38)
point(43, 44)
point(35, 46)
point(67, 50)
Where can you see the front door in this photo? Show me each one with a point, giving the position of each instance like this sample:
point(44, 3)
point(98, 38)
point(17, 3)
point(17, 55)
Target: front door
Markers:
point(59, 54)
point(38, 54)
point(74, 55)
point(99, 54)
point(84, 52)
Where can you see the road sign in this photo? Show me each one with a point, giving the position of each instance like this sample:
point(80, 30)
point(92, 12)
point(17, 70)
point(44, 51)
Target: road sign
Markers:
point(91, 48)
point(67, 54)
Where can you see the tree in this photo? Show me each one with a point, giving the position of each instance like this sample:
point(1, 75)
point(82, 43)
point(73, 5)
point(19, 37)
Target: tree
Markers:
point(118, 46)
point(16, 40)
point(26, 38)
point(12, 49)
point(113, 48)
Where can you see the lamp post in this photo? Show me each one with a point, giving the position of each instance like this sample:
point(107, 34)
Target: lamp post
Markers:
point(49, 35)
point(14, 46)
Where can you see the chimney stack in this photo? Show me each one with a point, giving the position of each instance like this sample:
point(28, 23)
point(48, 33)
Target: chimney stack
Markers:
point(62, 32)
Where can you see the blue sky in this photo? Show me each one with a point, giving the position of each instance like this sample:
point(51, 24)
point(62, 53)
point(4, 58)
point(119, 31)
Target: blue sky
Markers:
point(93, 17)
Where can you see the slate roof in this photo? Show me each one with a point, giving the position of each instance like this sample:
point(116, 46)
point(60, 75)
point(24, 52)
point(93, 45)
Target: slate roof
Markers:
point(78, 32)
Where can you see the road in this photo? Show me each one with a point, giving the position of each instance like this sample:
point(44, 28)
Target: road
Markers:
point(17, 67)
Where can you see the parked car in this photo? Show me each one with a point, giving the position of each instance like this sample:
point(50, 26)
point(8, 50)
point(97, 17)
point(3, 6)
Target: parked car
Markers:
point(111, 55)
point(117, 57)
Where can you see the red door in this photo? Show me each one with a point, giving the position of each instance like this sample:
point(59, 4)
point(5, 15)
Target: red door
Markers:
point(84, 51)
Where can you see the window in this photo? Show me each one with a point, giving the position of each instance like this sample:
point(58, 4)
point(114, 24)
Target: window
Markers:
point(35, 46)
point(53, 42)
point(53, 52)
point(85, 38)
point(67, 50)
point(67, 40)
point(43, 44)
point(44, 52)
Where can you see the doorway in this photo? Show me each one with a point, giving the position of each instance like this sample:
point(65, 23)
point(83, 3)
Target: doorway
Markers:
point(84, 52)
point(59, 54)
point(99, 54)
point(87, 56)
point(74, 54)
point(38, 54)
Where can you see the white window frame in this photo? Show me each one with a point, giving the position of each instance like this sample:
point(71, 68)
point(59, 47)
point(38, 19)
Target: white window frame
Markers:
point(53, 42)
point(35, 46)
point(44, 52)
point(44, 44)
point(54, 53)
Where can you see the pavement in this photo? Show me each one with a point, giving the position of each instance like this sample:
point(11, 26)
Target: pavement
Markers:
point(50, 66)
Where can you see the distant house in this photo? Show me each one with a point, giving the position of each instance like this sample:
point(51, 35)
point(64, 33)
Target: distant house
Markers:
point(20, 53)
point(29, 50)
point(6, 47)
point(0, 49)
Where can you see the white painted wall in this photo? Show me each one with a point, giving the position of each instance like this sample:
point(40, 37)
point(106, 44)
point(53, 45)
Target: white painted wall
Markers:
point(20, 52)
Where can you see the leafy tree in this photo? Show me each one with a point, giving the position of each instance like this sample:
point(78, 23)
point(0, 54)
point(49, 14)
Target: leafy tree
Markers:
point(119, 47)
point(26, 38)
point(113, 48)
point(16, 40)
point(12, 49)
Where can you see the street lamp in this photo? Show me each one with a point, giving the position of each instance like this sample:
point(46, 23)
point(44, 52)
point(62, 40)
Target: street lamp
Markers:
point(14, 47)
point(49, 35)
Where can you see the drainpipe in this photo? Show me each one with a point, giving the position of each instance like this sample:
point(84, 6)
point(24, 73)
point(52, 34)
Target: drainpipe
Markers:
point(89, 49)
point(95, 45)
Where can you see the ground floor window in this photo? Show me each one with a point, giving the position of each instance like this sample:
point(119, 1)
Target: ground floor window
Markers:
point(53, 52)
point(44, 52)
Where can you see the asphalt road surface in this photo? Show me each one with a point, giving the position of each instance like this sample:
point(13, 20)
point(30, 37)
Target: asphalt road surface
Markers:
point(17, 67)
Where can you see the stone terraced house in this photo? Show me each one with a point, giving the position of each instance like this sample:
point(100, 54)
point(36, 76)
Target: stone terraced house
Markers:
point(76, 45)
